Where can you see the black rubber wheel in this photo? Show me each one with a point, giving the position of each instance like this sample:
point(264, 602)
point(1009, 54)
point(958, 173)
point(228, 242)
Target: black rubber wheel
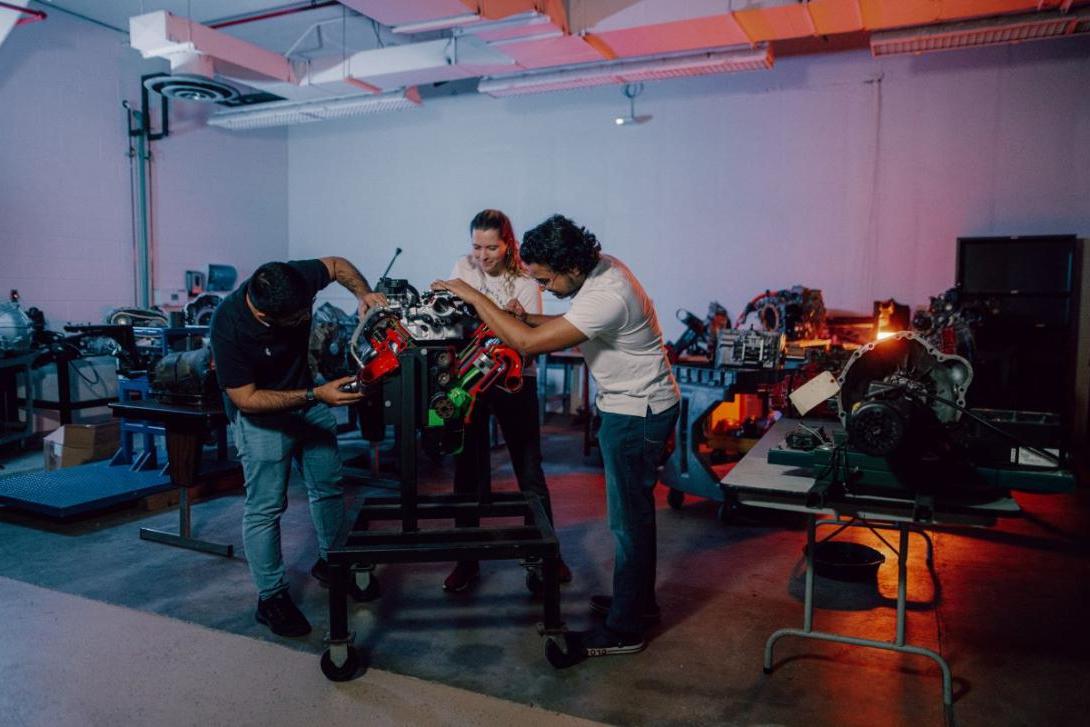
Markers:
point(766, 670)
point(345, 671)
point(535, 584)
point(675, 498)
point(727, 511)
point(562, 653)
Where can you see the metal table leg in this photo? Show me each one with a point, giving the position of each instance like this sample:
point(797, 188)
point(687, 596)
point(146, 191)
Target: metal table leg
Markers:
point(182, 538)
point(899, 645)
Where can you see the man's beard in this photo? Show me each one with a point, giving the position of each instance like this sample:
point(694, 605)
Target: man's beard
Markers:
point(570, 294)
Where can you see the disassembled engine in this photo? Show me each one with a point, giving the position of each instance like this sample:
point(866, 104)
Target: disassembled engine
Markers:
point(185, 378)
point(748, 348)
point(457, 372)
point(949, 320)
point(434, 315)
point(898, 394)
point(798, 313)
point(331, 329)
point(16, 329)
point(198, 312)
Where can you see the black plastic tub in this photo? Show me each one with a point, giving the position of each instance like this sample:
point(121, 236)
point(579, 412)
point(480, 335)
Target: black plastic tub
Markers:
point(844, 561)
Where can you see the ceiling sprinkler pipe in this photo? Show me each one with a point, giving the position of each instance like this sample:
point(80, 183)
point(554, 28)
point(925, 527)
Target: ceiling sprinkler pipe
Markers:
point(272, 14)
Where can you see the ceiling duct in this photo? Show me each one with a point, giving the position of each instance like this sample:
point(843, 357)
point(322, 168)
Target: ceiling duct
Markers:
point(288, 113)
point(184, 87)
point(977, 33)
point(699, 64)
point(195, 50)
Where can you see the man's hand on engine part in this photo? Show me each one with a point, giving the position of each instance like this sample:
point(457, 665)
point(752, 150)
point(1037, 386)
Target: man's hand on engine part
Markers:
point(372, 300)
point(330, 392)
point(459, 287)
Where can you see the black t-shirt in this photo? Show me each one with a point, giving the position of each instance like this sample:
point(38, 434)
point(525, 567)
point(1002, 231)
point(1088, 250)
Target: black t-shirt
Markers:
point(248, 352)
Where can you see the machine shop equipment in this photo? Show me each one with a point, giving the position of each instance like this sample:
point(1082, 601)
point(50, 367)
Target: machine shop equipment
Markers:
point(907, 433)
point(901, 393)
point(331, 328)
point(198, 312)
point(700, 336)
point(16, 327)
point(185, 378)
point(430, 358)
point(748, 348)
point(797, 312)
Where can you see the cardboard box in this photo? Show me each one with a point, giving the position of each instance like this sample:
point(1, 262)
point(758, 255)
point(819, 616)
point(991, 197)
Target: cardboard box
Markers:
point(75, 444)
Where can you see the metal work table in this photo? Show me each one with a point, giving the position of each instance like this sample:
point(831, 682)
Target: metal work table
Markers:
point(11, 367)
point(187, 429)
point(755, 482)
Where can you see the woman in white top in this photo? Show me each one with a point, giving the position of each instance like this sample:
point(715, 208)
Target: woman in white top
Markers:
point(494, 268)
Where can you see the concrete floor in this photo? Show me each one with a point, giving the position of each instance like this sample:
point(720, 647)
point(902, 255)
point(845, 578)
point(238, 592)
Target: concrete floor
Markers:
point(1006, 611)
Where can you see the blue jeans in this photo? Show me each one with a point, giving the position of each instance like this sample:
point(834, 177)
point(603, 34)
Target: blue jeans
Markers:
point(267, 445)
point(632, 449)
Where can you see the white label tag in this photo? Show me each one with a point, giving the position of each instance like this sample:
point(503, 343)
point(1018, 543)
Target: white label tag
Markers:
point(814, 391)
point(1021, 455)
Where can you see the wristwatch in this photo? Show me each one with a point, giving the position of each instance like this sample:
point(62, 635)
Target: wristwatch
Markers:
point(310, 397)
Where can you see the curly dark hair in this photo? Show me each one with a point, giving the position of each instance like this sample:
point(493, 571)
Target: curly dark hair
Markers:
point(562, 245)
point(277, 289)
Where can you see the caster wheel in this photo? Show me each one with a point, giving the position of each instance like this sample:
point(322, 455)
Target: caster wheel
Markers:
point(727, 511)
point(345, 671)
point(675, 498)
point(766, 670)
point(562, 653)
point(364, 594)
point(535, 584)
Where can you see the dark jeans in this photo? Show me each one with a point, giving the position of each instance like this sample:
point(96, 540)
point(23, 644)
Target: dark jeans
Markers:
point(632, 449)
point(518, 417)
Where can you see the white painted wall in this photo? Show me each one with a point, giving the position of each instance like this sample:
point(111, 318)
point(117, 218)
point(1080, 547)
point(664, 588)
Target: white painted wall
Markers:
point(837, 172)
point(66, 238)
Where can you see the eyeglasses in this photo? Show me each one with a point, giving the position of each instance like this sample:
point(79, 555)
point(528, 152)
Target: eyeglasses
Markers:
point(546, 282)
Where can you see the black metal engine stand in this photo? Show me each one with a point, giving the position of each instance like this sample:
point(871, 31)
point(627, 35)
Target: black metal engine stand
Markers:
point(357, 548)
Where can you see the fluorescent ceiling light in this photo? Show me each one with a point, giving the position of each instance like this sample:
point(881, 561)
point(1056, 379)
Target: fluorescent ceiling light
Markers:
point(977, 33)
point(425, 26)
point(511, 22)
point(543, 35)
point(630, 71)
point(287, 113)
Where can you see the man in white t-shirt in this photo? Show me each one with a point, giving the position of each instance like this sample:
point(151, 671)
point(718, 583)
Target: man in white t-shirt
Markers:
point(613, 322)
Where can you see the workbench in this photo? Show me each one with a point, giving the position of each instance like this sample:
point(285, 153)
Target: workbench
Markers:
point(754, 482)
point(187, 429)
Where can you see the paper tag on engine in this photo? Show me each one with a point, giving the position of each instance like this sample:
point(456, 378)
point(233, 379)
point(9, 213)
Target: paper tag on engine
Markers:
point(814, 391)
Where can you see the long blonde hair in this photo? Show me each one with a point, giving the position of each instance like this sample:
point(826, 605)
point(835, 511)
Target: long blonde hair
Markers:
point(513, 268)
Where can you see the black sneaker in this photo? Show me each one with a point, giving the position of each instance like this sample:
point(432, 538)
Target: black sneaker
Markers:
point(462, 578)
point(602, 604)
point(563, 572)
point(604, 641)
point(279, 613)
point(320, 572)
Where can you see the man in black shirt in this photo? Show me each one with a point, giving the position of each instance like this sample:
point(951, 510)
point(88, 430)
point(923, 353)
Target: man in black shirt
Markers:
point(260, 335)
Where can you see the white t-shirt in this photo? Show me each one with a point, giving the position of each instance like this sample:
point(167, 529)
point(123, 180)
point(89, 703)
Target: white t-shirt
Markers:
point(624, 350)
point(500, 289)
